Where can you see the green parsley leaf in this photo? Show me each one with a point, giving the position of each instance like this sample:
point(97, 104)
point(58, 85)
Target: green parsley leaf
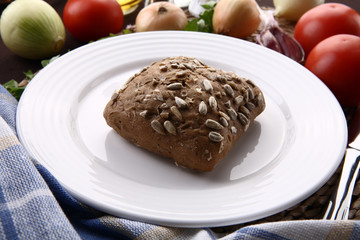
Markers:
point(13, 88)
point(204, 23)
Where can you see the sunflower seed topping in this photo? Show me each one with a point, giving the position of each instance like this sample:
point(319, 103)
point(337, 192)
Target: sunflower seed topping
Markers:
point(158, 127)
point(143, 113)
point(260, 100)
point(176, 112)
point(174, 86)
point(170, 127)
point(215, 137)
point(239, 99)
point(224, 115)
point(229, 90)
point(243, 119)
point(180, 103)
point(233, 130)
point(180, 74)
point(163, 68)
point(250, 106)
point(212, 103)
point(221, 148)
point(244, 110)
point(207, 85)
point(251, 93)
point(202, 108)
point(223, 121)
point(213, 124)
point(227, 104)
point(232, 113)
point(114, 95)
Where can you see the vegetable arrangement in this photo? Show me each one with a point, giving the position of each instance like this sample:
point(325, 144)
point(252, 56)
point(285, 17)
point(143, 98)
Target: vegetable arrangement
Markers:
point(330, 37)
point(32, 29)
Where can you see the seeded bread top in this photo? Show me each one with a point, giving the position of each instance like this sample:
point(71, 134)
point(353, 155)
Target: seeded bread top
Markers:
point(184, 99)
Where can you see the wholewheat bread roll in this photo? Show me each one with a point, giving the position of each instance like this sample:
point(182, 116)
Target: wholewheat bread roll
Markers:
point(185, 110)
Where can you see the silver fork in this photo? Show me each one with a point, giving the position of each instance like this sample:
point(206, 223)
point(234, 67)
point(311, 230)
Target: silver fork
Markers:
point(339, 205)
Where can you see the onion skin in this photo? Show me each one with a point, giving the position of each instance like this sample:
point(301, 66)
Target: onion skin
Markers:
point(32, 29)
point(160, 16)
point(294, 9)
point(236, 18)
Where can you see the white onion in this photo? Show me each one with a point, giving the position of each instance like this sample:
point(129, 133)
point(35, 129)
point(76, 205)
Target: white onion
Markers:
point(160, 16)
point(236, 18)
point(294, 9)
point(32, 29)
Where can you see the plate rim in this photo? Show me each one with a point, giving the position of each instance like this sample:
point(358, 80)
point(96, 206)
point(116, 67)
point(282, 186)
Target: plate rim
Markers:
point(159, 220)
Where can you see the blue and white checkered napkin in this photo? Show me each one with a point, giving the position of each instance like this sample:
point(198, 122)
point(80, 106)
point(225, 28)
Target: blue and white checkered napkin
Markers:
point(33, 205)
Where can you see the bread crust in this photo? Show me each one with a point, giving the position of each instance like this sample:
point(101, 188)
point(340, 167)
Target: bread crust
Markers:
point(185, 110)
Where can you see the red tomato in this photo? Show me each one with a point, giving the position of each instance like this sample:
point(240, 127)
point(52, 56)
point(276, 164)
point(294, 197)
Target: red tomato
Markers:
point(90, 20)
point(324, 21)
point(336, 61)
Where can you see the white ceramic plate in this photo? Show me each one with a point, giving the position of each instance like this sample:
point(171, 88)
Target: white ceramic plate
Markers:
point(294, 146)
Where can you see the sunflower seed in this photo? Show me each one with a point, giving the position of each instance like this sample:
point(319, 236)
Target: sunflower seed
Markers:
point(181, 74)
point(174, 86)
point(250, 106)
point(188, 66)
point(198, 90)
point(170, 127)
point(224, 115)
point(220, 78)
point(227, 104)
point(114, 95)
point(213, 124)
point(212, 103)
point(164, 106)
point(207, 154)
point(144, 69)
point(233, 130)
point(221, 148)
point(215, 137)
point(202, 108)
point(180, 103)
point(164, 115)
point(158, 95)
point(163, 68)
point(158, 127)
point(232, 113)
point(248, 81)
point(251, 93)
point(229, 90)
point(182, 66)
point(223, 121)
point(143, 113)
point(239, 99)
point(244, 110)
point(246, 95)
point(260, 100)
point(207, 85)
point(176, 112)
point(243, 119)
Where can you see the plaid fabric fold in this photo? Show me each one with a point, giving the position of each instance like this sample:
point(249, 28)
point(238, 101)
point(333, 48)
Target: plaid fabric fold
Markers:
point(33, 205)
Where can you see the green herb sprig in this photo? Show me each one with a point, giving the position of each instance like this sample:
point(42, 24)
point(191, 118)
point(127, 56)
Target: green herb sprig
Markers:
point(16, 89)
point(204, 22)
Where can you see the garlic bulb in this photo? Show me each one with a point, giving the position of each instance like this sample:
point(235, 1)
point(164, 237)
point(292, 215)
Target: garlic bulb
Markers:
point(294, 9)
point(32, 29)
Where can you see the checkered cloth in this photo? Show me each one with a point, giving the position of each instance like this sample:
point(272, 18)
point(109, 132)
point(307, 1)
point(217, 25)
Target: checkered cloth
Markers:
point(33, 205)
